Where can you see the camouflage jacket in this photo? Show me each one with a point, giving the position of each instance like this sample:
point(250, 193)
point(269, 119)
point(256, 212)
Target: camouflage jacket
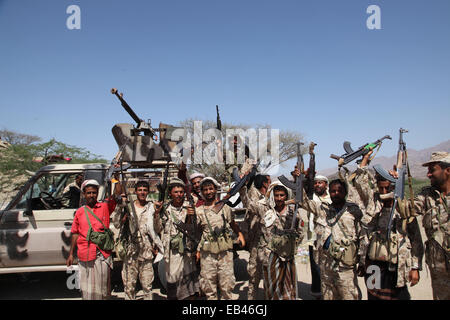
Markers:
point(409, 243)
point(139, 245)
point(355, 193)
point(435, 210)
point(219, 220)
point(342, 225)
point(166, 221)
point(309, 218)
point(270, 220)
point(252, 219)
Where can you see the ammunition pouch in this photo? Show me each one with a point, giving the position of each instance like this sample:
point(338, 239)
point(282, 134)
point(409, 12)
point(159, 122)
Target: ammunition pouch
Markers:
point(218, 244)
point(176, 243)
point(104, 240)
point(344, 251)
point(382, 250)
point(120, 248)
point(283, 243)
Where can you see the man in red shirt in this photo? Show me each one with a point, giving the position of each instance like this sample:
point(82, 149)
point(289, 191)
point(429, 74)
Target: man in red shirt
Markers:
point(94, 263)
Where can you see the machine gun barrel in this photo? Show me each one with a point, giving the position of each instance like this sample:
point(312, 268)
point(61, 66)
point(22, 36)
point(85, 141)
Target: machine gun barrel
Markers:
point(126, 106)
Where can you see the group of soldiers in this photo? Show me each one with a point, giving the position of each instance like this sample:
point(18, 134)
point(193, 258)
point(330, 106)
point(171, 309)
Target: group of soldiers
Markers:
point(345, 221)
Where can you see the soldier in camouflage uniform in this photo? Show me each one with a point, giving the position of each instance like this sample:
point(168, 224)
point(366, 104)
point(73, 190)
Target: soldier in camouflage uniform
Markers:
point(253, 221)
point(142, 245)
point(215, 248)
point(194, 180)
point(179, 251)
point(433, 203)
point(278, 242)
point(400, 261)
point(338, 231)
point(320, 195)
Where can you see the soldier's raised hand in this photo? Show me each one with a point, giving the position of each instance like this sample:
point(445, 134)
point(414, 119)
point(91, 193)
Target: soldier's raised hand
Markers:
point(157, 205)
point(190, 211)
point(296, 172)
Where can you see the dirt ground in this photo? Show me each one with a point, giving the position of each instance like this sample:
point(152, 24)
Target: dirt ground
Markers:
point(52, 285)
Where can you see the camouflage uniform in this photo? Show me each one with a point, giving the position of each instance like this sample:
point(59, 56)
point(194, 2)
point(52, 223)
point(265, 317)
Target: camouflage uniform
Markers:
point(407, 236)
point(434, 207)
point(271, 223)
point(355, 193)
point(138, 262)
point(217, 270)
point(312, 225)
point(310, 228)
point(181, 270)
point(338, 279)
point(254, 267)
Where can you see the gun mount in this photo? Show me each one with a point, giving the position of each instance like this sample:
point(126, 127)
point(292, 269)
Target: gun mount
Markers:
point(139, 142)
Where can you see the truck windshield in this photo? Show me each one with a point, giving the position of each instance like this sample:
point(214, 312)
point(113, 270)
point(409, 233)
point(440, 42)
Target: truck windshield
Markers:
point(53, 191)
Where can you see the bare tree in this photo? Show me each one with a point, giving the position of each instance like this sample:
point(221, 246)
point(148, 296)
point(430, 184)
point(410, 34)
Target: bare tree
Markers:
point(15, 138)
point(221, 172)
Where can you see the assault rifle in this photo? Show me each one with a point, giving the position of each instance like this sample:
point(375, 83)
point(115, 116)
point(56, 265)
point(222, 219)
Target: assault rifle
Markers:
point(239, 184)
point(162, 187)
point(193, 226)
point(296, 186)
point(401, 168)
point(351, 154)
point(218, 121)
point(311, 171)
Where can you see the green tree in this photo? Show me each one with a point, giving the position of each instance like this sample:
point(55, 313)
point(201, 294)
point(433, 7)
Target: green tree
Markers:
point(25, 156)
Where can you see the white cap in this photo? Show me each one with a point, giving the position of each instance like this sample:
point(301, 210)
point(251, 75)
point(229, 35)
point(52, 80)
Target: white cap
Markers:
point(210, 179)
point(196, 175)
point(320, 178)
point(90, 182)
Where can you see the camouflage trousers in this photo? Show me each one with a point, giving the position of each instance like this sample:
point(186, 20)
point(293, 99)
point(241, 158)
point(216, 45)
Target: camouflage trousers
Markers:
point(339, 283)
point(440, 282)
point(131, 271)
point(217, 274)
point(440, 272)
point(255, 270)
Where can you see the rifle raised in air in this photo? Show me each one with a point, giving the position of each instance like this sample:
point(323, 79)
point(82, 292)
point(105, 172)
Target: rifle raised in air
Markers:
point(162, 187)
point(218, 121)
point(401, 168)
point(311, 171)
point(351, 154)
point(296, 186)
point(240, 182)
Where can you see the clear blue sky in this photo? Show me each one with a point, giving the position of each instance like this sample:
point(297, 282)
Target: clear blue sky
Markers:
point(309, 66)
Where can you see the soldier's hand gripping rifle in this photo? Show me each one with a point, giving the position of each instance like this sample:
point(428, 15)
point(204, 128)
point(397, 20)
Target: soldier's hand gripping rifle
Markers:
point(162, 187)
point(311, 171)
point(296, 186)
point(238, 185)
point(402, 168)
point(351, 154)
point(190, 228)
